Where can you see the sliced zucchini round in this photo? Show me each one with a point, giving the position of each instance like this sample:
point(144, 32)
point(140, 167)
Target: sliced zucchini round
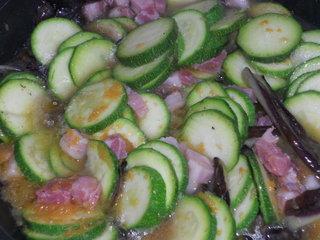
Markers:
point(129, 114)
point(156, 121)
point(246, 212)
point(141, 203)
point(266, 191)
point(156, 82)
point(176, 158)
point(205, 89)
point(212, 9)
point(60, 81)
point(147, 42)
point(103, 165)
point(294, 85)
point(311, 36)
point(281, 69)
point(20, 75)
point(304, 107)
point(239, 181)
point(193, 36)
point(305, 52)
point(270, 37)
point(77, 39)
point(242, 119)
point(127, 129)
point(108, 28)
point(259, 9)
point(32, 156)
point(276, 83)
point(96, 105)
point(90, 230)
point(56, 162)
point(127, 23)
point(226, 227)
point(89, 58)
point(22, 106)
point(154, 159)
point(309, 84)
point(214, 134)
point(99, 76)
point(192, 220)
point(213, 103)
point(48, 35)
point(308, 66)
point(139, 76)
point(233, 66)
point(233, 19)
point(245, 102)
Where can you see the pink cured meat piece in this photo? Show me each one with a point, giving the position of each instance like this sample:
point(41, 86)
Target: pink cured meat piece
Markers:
point(200, 170)
point(147, 15)
point(212, 65)
point(57, 191)
point(264, 121)
point(118, 145)
point(176, 81)
point(160, 6)
point(74, 144)
point(139, 5)
point(175, 101)
point(121, 3)
point(94, 10)
point(272, 157)
point(187, 78)
point(121, 12)
point(200, 167)
point(137, 103)
point(84, 191)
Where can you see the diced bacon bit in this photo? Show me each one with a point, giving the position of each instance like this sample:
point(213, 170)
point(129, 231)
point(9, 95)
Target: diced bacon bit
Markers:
point(56, 191)
point(247, 91)
point(200, 170)
point(175, 101)
point(74, 144)
point(147, 15)
point(160, 6)
point(264, 121)
point(200, 167)
point(272, 157)
point(171, 140)
point(121, 3)
point(121, 12)
point(139, 5)
point(137, 103)
point(243, 4)
point(187, 78)
point(95, 10)
point(213, 65)
point(118, 145)
point(176, 81)
point(84, 191)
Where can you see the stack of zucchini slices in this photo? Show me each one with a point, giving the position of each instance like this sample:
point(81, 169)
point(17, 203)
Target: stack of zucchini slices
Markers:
point(88, 73)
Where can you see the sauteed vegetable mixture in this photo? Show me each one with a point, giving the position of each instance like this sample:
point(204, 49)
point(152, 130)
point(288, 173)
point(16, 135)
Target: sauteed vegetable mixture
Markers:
point(153, 122)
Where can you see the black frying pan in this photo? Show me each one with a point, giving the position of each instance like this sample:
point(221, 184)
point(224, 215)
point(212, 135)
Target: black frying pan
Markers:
point(18, 18)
